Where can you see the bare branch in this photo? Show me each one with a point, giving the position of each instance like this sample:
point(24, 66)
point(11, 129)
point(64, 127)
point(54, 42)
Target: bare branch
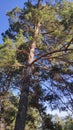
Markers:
point(68, 44)
point(58, 97)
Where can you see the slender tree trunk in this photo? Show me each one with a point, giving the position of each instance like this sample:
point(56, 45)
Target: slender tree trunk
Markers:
point(22, 110)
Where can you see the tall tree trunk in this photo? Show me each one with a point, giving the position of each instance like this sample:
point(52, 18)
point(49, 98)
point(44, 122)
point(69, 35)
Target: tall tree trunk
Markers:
point(22, 110)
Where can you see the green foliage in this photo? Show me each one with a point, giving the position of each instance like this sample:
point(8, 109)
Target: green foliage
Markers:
point(9, 107)
point(33, 119)
point(68, 124)
point(7, 53)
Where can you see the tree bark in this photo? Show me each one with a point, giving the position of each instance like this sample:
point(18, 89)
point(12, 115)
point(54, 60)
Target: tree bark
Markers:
point(22, 110)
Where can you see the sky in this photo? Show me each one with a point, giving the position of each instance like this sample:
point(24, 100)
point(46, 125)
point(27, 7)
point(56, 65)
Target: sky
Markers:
point(5, 6)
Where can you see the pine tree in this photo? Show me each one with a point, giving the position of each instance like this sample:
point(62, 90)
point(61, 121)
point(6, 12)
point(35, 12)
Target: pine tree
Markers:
point(38, 48)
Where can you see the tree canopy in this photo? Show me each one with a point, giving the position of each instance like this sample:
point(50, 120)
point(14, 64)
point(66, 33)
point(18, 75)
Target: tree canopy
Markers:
point(37, 57)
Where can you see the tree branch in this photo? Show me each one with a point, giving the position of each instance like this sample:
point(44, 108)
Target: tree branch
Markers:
point(68, 44)
point(58, 97)
point(50, 53)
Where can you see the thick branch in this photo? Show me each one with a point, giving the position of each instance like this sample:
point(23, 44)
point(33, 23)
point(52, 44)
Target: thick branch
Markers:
point(50, 53)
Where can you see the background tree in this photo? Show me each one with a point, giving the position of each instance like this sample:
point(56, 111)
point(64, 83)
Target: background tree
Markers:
point(8, 111)
point(68, 124)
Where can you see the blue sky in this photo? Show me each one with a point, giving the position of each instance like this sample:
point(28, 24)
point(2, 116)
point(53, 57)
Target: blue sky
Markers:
point(7, 5)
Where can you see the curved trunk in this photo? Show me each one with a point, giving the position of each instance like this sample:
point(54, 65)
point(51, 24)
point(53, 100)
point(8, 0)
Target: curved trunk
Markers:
point(22, 110)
